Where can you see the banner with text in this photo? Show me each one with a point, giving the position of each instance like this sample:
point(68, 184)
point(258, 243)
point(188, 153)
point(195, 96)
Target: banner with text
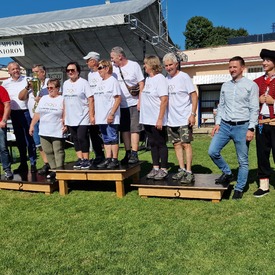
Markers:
point(12, 47)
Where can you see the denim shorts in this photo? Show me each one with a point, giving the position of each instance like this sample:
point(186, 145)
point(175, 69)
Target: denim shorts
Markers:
point(109, 133)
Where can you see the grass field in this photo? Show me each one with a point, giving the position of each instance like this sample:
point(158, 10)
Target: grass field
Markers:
point(91, 231)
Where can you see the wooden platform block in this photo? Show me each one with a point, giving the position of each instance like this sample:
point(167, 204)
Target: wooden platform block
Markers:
point(117, 175)
point(29, 182)
point(204, 188)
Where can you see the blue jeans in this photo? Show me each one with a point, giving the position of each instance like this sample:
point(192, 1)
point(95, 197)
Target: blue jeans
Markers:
point(21, 121)
point(4, 152)
point(36, 137)
point(238, 135)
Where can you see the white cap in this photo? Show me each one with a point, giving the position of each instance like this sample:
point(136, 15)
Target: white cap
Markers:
point(93, 55)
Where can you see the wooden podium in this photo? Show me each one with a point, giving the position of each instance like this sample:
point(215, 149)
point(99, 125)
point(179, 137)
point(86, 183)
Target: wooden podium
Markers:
point(203, 188)
point(117, 175)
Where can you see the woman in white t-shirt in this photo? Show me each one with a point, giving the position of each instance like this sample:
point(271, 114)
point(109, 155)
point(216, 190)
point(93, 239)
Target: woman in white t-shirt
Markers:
point(105, 112)
point(153, 115)
point(77, 98)
point(50, 113)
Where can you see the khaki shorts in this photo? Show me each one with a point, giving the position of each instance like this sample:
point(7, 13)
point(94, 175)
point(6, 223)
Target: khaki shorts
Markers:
point(180, 134)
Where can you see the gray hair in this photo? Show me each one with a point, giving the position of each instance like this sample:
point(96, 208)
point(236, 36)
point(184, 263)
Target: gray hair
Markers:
point(118, 50)
point(170, 57)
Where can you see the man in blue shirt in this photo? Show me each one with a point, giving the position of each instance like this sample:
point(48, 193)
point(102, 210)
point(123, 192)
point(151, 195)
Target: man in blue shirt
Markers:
point(236, 120)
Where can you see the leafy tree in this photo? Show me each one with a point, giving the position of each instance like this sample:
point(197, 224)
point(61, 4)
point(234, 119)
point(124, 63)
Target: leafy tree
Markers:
point(200, 33)
point(197, 32)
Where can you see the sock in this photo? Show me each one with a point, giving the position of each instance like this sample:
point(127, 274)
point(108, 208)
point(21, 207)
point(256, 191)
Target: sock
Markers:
point(264, 184)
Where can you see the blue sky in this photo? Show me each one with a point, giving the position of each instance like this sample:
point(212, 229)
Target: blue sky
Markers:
point(237, 14)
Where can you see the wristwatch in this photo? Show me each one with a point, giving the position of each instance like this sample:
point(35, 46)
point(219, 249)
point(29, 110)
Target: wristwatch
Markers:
point(194, 114)
point(4, 120)
point(251, 129)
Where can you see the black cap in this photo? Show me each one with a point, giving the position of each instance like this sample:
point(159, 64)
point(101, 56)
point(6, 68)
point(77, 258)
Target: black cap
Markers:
point(267, 54)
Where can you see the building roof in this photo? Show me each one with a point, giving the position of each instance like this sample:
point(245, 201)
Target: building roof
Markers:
point(58, 37)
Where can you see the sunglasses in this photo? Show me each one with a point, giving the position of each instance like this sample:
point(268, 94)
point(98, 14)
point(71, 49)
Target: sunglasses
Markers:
point(101, 67)
point(70, 70)
point(50, 88)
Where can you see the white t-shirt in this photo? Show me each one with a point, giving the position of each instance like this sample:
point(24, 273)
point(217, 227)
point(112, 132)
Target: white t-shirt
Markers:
point(31, 101)
point(76, 102)
point(94, 78)
point(50, 110)
point(14, 88)
point(104, 100)
point(154, 88)
point(180, 105)
point(132, 75)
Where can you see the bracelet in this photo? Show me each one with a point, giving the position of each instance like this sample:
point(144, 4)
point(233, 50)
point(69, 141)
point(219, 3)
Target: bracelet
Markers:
point(194, 114)
point(4, 120)
point(27, 88)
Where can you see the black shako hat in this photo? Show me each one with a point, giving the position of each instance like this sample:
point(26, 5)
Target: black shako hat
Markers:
point(267, 54)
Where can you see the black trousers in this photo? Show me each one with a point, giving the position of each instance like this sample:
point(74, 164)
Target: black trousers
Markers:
point(157, 140)
point(265, 142)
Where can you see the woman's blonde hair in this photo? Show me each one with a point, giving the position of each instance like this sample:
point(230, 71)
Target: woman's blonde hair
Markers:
point(106, 64)
point(154, 63)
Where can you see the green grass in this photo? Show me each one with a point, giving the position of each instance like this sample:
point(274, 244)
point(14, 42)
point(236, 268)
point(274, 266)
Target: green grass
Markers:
point(91, 231)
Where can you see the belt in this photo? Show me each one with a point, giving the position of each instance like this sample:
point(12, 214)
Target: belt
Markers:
point(270, 121)
point(235, 123)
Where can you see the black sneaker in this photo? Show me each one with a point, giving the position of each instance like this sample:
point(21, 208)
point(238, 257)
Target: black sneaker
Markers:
point(51, 176)
point(22, 168)
point(104, 163)
point(98, 160)
point(237, 195)
point(125, 160)
point(44, 170)
point(224, 179)
point(113, 164)
point(78, 164)
point(85, 164)
point(33, 168)
point(8, 174)
point(133, 159)
point(260, 193)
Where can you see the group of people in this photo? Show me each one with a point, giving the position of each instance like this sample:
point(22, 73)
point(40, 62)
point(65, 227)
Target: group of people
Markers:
point(246, 107)
point(116, 98)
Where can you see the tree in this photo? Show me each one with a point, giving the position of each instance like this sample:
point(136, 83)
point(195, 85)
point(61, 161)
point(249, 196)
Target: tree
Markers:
point(200, 33)
point(197, 32)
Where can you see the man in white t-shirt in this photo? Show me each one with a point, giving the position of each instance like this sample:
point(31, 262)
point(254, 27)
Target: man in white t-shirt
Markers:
point(20, 117)
point(182, 108)
point(92, 60)
point(33, 100)
point(128, 72)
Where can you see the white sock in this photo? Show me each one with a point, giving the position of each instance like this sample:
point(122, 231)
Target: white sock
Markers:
point(264, 184)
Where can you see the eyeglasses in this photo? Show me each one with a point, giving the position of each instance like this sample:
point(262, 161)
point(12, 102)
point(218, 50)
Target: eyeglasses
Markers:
point(50, 88)
point(70, 70)
point(101, 67)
